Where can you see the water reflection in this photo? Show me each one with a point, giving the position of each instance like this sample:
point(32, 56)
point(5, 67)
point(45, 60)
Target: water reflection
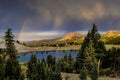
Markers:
point(40, 55)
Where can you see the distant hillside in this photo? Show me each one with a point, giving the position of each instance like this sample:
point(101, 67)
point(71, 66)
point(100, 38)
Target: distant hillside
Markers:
point(111, 37)
point(69, 39)
point(72, 36)
point(112, 33)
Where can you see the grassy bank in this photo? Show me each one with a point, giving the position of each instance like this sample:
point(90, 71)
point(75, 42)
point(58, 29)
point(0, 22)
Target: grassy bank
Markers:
point(45, 48)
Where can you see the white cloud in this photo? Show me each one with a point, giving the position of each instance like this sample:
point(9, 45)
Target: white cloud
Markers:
point(28, 36)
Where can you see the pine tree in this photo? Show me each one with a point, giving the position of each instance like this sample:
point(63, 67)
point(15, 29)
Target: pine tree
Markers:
point(12, 67)
point(95, 71)
point(98, 46)
point(1, 68)
point(32, 65)
point(66, 63)
point(43, 60)
point(83, 73)
point(80, 61)
point(40, 71)
point(70, 58)
point(112, 59)
point(89, 54)
point(70, 63)
point(22, 77)
point(90, 63)
point(50, 60)
point(55, 75)
point(9, 42)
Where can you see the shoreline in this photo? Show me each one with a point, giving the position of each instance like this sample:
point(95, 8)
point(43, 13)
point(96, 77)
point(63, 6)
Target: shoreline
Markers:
point(42, 49)
point(45, 48)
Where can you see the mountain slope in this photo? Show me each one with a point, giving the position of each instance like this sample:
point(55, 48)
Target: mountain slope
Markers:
point(72, 36)
point(69, 39)
point(112, 33)
point(111, 37)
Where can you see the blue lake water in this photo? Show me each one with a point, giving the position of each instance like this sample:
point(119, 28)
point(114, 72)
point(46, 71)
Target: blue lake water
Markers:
point(40, 55)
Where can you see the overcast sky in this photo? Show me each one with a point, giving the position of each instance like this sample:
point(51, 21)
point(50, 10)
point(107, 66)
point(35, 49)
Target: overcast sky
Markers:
point(43, 19)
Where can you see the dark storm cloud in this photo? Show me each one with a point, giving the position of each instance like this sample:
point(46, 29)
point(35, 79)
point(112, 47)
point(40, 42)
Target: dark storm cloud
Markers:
point(13, 13)
point(72, 15)
point(67, 15)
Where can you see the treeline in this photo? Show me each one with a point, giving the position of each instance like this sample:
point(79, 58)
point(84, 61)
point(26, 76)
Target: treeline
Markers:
point(52, 43)
point(43, 70)
point(112, 40)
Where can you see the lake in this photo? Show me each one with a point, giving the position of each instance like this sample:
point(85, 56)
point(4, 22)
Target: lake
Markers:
point(40, 55)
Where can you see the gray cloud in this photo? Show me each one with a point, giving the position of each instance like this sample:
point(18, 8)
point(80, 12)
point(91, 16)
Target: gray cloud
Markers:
point(68, 15)
point(31, 16)
point(62, 12)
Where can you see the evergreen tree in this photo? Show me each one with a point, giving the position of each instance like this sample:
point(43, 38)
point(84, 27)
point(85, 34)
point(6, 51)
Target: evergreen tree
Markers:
point(83, 73)
point(44, 71)
point(86, 58)
point(32, 65)
point(43, 60)
point(1, 68)
point(40, 71)
point(70, 58)
point(71, 63)
point(94, 36)
point(12, 67)
point(22, 77)
point(89, 54)
point(65, 56)
point(55, 75)
point(51, 74)
point(66, 63)
point(112, 59)
point(95, 71)
point(9, 42)
point(90, 63)
point(98, 45)
point(79, 61)
point(50, 60)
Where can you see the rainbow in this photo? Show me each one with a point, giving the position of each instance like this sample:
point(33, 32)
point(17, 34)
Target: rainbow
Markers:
point(20, 33)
